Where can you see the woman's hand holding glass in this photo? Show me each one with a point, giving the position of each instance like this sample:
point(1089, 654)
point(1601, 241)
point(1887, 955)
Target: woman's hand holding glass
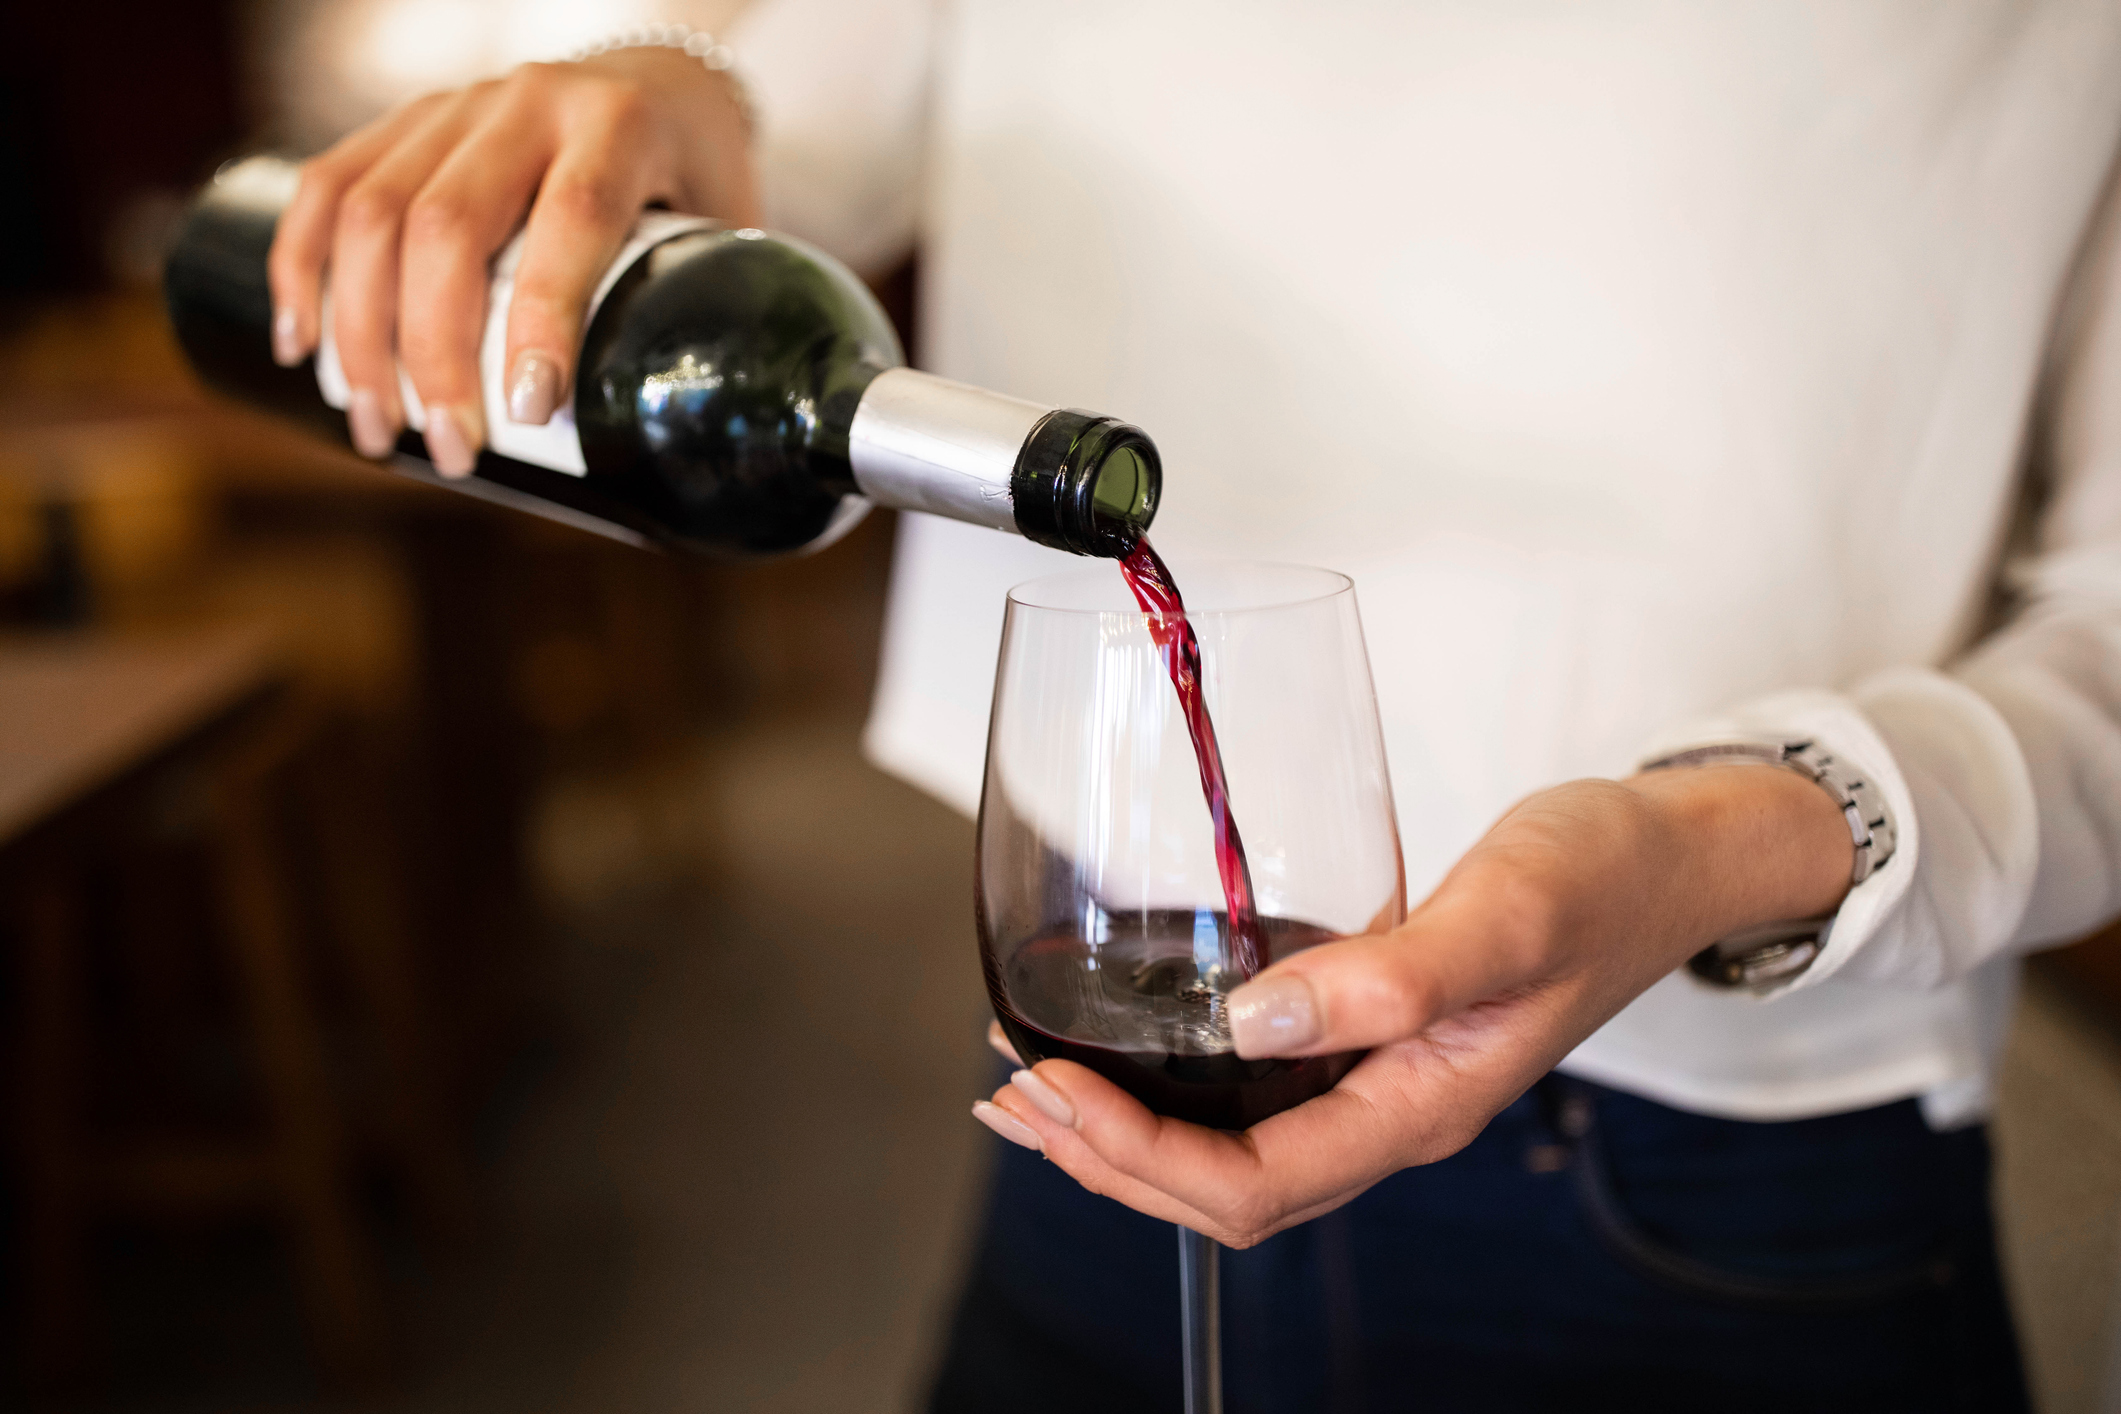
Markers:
point(405, 215)
point(1575, 902)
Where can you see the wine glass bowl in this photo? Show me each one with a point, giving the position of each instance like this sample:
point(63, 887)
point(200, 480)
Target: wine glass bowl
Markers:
point(1104, 915)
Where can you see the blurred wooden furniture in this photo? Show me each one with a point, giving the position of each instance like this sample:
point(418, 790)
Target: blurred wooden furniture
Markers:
point(394, 599)
point(87, 724)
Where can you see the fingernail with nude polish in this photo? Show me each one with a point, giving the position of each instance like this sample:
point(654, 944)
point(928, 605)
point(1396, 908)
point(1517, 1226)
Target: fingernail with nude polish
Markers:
point(287, 350)
point(449, 442)
point(1273, 1017)
point(1041, 1092)
point(1007, 1125)
point(533, 388)
point(374, 434)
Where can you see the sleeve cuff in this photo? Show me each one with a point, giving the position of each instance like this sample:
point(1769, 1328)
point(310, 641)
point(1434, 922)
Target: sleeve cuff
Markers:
point(1962, 800)
point(839, 94)
point(1840, 726)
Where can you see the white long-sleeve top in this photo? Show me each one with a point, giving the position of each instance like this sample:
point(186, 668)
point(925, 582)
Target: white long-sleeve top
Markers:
point(1660, 373)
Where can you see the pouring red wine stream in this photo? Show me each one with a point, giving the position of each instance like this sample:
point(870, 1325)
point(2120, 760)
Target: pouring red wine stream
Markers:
point(1165, 610)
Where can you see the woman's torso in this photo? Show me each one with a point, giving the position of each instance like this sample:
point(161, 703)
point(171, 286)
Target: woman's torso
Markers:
point(1634, 359)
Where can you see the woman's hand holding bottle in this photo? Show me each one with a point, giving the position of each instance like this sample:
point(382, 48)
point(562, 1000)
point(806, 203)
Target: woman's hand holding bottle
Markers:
point(405, 215)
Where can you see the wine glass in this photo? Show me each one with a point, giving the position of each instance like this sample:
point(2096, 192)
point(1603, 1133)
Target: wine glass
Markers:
point(1104, 912)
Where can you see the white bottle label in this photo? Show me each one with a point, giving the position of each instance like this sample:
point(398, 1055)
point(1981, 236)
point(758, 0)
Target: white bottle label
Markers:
point(556, 446)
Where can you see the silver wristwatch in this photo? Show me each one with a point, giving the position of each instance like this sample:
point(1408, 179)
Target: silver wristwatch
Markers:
point(1767, 956)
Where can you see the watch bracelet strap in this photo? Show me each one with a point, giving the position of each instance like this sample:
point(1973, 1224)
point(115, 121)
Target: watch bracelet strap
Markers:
point(1769, 955)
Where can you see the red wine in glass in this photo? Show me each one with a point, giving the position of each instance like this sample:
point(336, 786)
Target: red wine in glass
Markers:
point(1142, 1017)
point(1143, 1004)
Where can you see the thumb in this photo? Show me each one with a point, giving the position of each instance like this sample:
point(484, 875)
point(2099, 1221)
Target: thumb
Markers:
point(1377, 989)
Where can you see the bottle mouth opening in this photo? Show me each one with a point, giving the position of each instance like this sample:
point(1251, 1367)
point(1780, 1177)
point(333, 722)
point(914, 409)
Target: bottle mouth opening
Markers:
point(1087, 484)
point(1120, 493)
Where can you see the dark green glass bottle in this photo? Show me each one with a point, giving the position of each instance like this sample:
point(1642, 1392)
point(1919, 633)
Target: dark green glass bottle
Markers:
point(739, 394)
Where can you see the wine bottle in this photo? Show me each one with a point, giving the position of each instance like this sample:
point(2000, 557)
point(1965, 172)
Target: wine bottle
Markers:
point(739, 394)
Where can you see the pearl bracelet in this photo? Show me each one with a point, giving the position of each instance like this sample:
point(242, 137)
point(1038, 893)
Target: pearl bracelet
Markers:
point(715, 56)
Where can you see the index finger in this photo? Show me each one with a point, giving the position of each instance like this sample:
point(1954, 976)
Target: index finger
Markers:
point(587, 204)
point(1076, 1157)
point(1284, 1170)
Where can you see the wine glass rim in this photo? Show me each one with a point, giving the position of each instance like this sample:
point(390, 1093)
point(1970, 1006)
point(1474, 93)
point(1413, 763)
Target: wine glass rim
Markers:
point(1039, 594)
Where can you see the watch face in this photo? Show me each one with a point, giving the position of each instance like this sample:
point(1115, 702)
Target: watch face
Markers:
point(1761, 957)
point(1757, 969)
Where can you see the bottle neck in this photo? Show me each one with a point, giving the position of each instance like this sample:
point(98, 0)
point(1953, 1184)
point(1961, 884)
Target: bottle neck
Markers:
point(922, 443)
point(1076, 481)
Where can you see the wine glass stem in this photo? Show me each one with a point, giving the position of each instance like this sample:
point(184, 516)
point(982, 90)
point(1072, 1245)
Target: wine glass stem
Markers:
point(1199, 1267)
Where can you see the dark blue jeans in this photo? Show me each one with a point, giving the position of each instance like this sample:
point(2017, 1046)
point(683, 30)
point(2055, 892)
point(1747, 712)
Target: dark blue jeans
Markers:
point(1590, 1251)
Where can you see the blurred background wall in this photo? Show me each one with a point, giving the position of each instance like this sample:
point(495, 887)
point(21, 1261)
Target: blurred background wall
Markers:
point(454, 962)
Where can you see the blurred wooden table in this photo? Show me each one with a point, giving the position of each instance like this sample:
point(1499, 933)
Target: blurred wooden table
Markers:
point(83, 718)
point(79, 711)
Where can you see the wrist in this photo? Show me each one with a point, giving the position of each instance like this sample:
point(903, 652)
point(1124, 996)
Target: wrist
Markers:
point(1763, 844)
